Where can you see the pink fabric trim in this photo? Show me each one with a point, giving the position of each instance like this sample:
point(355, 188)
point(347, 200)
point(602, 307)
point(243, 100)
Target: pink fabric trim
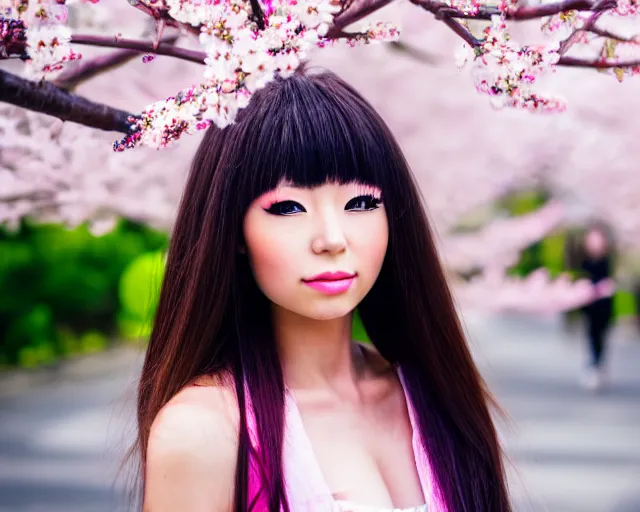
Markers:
point(255, 476)
point(429, 488)
point(306, 487)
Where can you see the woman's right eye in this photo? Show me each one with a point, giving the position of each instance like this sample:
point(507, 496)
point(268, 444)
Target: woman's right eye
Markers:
point(285, 208)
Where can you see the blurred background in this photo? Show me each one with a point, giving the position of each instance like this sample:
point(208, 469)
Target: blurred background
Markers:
point(512, 197)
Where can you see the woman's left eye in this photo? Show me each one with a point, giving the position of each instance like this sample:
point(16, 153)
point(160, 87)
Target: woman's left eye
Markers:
point(363, 203)
point(285, 208)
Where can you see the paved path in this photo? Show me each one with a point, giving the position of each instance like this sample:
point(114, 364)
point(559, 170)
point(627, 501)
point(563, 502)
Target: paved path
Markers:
point(61, 441)
point(573, 450)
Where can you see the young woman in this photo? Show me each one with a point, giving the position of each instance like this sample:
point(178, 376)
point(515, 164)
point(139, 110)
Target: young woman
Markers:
point(253, 395)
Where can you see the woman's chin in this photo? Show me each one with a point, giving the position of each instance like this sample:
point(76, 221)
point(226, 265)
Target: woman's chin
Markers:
point(326, 311)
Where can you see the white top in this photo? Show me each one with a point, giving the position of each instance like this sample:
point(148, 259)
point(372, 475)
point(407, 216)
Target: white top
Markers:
point(345, 506)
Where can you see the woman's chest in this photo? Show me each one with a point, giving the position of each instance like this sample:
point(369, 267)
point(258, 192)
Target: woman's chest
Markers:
point(366, 456)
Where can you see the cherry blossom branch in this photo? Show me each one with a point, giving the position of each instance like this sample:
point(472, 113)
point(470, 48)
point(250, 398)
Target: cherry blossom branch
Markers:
point(589, 26)
point(89, 69)
point(161, 15)
point(446, 14)
point(597, 64)
point(28, 194)
point(258, 14)
point(355, 12)
point(569, 41)
point(540, 11)
point(610, 35)
point(462, 31)
point(163, 48)
point(443, 10)
point(86, 70)
point(46, 98)
point(13, 40)
point(36, 96)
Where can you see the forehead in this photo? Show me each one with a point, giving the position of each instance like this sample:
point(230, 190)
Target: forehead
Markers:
point(596, 234)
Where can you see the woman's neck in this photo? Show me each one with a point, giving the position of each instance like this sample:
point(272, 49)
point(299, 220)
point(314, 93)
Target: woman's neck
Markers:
point(317, 354)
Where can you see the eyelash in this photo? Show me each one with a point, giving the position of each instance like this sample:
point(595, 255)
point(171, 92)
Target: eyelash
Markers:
point(371, 203)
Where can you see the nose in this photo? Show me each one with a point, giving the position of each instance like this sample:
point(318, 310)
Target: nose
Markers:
point(330, 236)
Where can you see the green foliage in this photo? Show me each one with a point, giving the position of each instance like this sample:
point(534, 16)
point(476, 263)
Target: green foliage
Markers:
point(59, 288)
point(624, 304)
point(552, 253)
point(93, 341)
point(523, 201)
point(31, 337)
point(139, 290)
point(358, 332)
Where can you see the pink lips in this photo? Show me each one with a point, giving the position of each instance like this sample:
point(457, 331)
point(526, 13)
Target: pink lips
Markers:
point(331, 283)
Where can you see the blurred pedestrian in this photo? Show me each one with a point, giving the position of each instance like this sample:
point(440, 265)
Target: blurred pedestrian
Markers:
point(597, 265)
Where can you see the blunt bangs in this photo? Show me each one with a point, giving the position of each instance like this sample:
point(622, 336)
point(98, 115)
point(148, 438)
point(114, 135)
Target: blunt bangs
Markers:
point(312, 130)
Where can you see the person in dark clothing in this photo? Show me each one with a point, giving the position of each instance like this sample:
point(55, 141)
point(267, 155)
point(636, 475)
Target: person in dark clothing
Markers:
point(597, 266)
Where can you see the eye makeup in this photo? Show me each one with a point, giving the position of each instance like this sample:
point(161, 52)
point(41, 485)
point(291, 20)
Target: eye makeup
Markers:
point(285, 208)
point(367, 197)
point(363, 202)
point(367, 190)
point(267, 200)
point(363, 198)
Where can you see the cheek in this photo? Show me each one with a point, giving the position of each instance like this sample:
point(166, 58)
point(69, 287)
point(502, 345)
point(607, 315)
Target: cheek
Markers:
point(370, 241)
point(270, 256)
point(264, 253)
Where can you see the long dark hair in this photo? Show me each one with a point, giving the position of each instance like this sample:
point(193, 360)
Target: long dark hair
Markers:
point(212, 318)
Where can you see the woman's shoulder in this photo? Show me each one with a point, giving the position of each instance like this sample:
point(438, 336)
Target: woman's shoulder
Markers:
point(199, 413)
point(209, 398)
point(193, 446)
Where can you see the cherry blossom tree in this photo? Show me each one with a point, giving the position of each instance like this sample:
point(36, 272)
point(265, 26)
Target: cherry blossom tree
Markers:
point(578, 144)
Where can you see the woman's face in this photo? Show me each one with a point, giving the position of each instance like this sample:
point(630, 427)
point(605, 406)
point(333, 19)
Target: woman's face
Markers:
point(295, 235)
point(596, 243)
